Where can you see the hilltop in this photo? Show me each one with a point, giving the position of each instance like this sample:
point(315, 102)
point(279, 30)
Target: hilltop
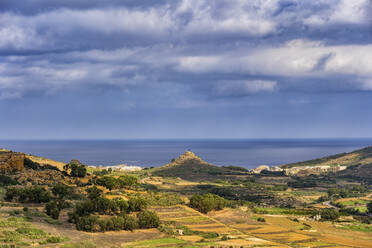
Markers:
point(188, 166)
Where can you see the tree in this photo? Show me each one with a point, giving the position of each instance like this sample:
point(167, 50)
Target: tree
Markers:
point(94, 193)
point(130, 223)
point(137, 204)
point(207, 202)
point(329, 214)
point(75, 169)
point(33, 194)
point(87, 223)
point(369, 207)
point(52, 209)
point(61, 191)
point(148, 219)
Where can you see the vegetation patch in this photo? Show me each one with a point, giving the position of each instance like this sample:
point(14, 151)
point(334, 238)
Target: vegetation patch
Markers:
point(357, 227)
point(154, 243)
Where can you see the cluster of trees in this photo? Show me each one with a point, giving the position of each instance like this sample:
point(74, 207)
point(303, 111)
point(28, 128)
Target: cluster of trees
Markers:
point(124, 221)
point(6, 181)
point(61, 192)
point(111, 183)
point(302, 183)
point(329, 214)
point(85, 219)
point(75, 169)
point(235, 168)
point(346, 192)
point(28, 163)
point(32, 194)
point(102, 172)
point(207, 202)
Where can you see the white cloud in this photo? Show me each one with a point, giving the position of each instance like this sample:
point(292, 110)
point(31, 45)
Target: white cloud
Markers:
point(341, 11)
point(17, 37)
point(297, 58)
point(241, 17)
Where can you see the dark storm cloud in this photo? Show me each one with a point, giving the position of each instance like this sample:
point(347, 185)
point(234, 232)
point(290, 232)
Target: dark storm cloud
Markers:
point(215, 48)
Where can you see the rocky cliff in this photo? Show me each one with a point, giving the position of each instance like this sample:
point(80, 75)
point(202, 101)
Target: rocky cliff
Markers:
point(11, 161)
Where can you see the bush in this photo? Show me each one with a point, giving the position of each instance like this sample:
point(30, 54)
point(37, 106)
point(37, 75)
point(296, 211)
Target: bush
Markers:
point(6, 181)
point(137, 204)
point(75, 169)
point(130, 223)
point(52, 209)
point(260, 219)
point(61, 191)
point(87, 223)
point(94, 193)
point(369, 207)
point(55, 239)
point(111, 183)
point(33, 194)
point(148, 219)
point(207, 202)
point(329, 214)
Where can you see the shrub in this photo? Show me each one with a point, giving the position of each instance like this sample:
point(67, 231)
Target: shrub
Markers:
point(33, 194)
point(61, 191)
point(260, 219)
point(55, 239)
point(31, 233)
point(52, 209)
point(75, 169)
point(148, 219)
point(94, 193)
point(87, 223)
point(116, 183)
point(137, 204)
point(329, 214)
point(207, 202)
point(369, 207)
point(6, 181)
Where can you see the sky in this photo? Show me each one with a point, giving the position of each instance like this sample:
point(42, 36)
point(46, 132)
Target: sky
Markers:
point(113, 69)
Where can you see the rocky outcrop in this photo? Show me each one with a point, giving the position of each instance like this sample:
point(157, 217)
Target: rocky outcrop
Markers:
point(11, 161)
point(261, 168)
point(188, 166)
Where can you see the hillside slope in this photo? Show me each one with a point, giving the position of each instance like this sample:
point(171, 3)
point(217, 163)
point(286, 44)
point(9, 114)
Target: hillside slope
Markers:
point(362, 172)
point(361, 156)
point(188, 166)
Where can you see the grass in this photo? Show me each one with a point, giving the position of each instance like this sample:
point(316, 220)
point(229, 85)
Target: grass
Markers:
point(352, 203)
point(16, 231)
point(284, 211)
point(81, 244)
point(31, 233)
point(357, 227)
point(361, 209)
point(154, 243)
point(193, 219)
point(14, 222)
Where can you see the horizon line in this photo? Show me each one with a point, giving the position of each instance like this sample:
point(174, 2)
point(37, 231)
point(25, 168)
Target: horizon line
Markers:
point(175, 139)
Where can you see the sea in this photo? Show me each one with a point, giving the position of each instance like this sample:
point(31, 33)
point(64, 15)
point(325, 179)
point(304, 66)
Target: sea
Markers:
point(248, 153)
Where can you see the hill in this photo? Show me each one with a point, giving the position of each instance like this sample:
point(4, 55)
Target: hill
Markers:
point(188, 166)
point(360, 172)
point(357, 157)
